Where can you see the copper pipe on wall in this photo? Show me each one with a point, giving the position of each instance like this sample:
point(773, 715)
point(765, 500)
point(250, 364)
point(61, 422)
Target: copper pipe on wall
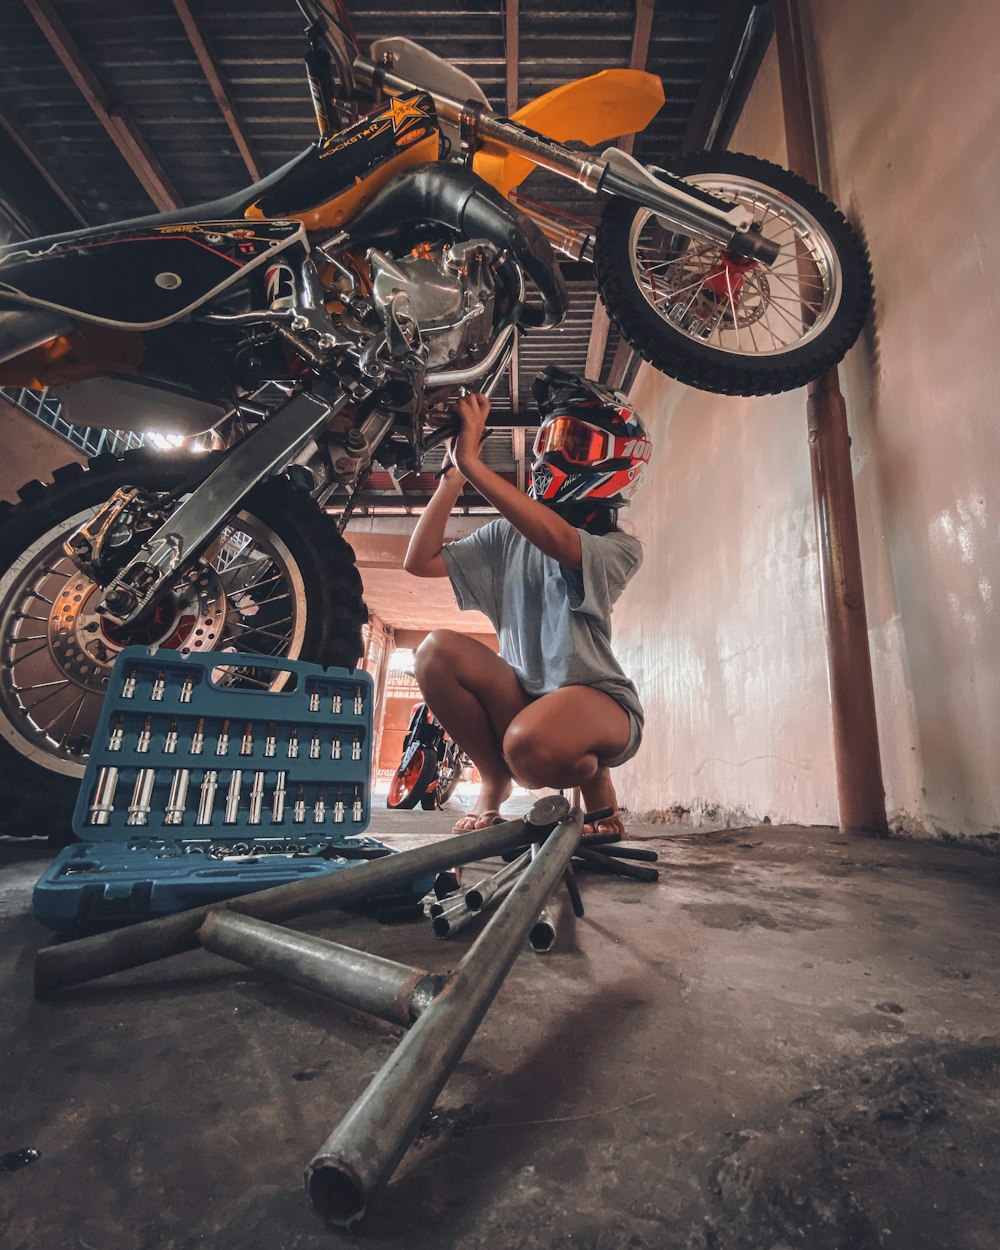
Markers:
point(860, 793)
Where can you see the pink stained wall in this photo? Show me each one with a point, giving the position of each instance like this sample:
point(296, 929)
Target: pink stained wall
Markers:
point(722, 628)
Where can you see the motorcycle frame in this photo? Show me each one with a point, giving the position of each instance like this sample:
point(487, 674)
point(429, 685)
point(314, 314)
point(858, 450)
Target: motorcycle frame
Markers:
point(290, 433)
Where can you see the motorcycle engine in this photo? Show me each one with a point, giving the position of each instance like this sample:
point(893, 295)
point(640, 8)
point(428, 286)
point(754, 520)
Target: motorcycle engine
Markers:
point(439, 295)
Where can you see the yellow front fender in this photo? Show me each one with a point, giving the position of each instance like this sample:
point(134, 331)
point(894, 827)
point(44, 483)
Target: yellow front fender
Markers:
point(591, 110)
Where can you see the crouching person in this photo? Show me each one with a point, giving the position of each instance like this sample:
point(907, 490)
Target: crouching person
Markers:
point(553, 709)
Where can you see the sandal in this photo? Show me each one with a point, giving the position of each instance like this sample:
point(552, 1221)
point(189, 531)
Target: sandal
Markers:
point(610, 824)
point(477, 820)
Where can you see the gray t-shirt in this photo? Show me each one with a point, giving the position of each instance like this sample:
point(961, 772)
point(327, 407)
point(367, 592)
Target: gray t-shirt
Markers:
point(553, 622)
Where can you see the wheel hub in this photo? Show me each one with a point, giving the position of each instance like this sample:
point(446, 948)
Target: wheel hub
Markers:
point(85, 646)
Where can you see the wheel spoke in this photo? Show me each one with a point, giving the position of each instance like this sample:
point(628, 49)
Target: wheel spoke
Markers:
point(22, 658)
point(45, 697)
point(77, 704)
point(64, 740)
point(260, 603)
point(39, 685)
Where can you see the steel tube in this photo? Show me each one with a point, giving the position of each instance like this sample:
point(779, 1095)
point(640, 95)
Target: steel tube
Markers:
point(364, 1149)
point(629, 852)
point(597, 862)
point(574, 891)
point(451, 919)
point(87, 958)
point(383, 988)
point(478, 895)
point(542, 934)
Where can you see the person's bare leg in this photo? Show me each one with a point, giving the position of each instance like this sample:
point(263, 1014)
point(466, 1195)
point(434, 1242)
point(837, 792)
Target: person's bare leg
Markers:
point(475, 695)
point(559, 740)
point(597, 794)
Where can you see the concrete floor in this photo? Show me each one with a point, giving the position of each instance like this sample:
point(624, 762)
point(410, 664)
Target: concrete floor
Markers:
point(789, 1041)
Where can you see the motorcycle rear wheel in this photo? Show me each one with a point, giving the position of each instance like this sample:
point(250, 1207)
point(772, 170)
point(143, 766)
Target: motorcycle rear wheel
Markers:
point(277, 580)
point(720, 325)
point(410, 780)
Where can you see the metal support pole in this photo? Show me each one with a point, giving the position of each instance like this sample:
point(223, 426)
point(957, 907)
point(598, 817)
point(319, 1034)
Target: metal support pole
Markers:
point(382, 987)
point(363, 1151)
point(87, 958)
point(860, 793)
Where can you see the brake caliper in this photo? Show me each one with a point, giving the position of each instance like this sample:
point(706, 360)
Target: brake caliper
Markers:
point(104, 543)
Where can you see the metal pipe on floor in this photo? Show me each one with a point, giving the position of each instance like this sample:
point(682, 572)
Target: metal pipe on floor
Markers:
point(452, 919)
point(640, 853)
point(478, 895)
point(91, 957)
point(596, 862)
point(542, 934)
point(573, 890)
point(382, 987)
point(364, 1149)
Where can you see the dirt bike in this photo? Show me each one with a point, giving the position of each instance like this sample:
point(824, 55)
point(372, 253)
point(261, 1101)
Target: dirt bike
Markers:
point(431, 764)
point(322, 322)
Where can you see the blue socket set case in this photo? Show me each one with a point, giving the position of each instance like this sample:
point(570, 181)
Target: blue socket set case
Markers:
point(197, 790)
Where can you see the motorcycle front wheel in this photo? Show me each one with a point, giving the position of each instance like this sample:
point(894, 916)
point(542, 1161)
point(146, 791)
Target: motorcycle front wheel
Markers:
point(449, 773)
point(722, 324)
point(411, 779)
point(277, 579)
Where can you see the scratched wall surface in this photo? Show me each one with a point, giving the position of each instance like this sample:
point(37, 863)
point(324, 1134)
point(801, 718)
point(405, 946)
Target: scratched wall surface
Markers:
point(723, 626)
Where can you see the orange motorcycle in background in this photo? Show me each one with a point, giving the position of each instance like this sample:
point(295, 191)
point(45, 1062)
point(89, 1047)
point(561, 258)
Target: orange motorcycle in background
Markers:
point(431, 765)
point(321, 323)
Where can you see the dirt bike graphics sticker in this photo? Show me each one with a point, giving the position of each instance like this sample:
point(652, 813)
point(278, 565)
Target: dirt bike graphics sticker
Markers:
point(337, 164)
point(139, 278)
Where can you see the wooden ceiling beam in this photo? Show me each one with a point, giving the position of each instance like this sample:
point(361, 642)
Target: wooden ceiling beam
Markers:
point(210, 68)
point(512, 45)
point(744, 32)
point(112, 114)
point(520, 448)
point(620, 365)
point(641, 35)
point(600, 326)
point(44, 170)
point(512, 40)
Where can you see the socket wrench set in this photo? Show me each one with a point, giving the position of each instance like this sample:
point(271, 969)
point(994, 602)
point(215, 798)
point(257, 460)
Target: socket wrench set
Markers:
point(202, 785)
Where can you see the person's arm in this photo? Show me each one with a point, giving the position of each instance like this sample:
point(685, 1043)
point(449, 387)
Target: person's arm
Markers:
point(423, 555)
point(542, 527)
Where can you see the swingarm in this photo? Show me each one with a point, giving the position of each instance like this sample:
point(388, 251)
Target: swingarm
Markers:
point(266, 450)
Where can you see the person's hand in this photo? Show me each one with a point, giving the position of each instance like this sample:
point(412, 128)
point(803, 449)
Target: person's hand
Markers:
point(471, 411)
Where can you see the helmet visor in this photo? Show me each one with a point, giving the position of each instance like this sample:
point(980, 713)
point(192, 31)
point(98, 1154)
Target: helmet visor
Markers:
point(576, 441)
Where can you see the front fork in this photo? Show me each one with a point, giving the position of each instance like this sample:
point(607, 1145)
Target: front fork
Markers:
point(677, 204)
point(263, 452)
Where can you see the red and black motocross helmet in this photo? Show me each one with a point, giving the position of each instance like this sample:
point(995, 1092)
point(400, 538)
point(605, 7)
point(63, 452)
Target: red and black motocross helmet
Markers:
point(590, 447)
